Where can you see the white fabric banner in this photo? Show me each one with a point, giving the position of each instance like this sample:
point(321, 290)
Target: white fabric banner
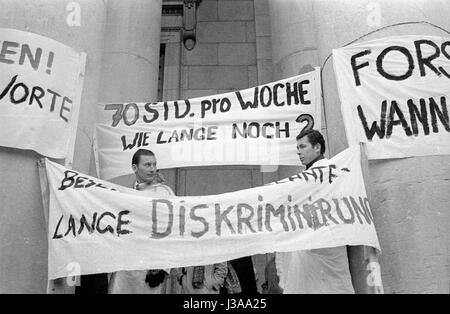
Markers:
point(394, 93)
point(100, 227)
point(40, 92)
point(256, 126)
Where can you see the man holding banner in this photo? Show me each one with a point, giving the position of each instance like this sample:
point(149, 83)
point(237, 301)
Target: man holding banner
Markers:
point(324, 270)
point(154, 281)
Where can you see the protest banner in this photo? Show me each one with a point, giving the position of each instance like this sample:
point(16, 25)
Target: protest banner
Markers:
point(256, 126)
point(102, 227)
point(40, 92)
point(394, 93)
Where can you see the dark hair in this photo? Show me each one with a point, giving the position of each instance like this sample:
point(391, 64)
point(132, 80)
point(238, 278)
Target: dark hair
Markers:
point(314, 137)
point(140, 152)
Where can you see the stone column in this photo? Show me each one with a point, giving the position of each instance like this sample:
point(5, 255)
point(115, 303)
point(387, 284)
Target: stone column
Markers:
point(410, 196)
point(409, 207)
point(23, 239)
point(131, 51)
point(131, 55)
point(294, 48)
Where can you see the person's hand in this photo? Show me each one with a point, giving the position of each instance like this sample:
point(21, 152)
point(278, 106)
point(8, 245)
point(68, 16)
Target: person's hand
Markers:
point(155, 277)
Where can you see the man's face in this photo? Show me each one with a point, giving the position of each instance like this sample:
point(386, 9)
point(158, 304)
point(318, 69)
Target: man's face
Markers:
point(146, 169)
point(306, 152)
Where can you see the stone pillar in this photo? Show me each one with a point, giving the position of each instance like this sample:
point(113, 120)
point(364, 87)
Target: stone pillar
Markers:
point(131, 55)
point(23, 239)
point(131, 51)
point(294, 48)
point(410, 196)
point(409, 207)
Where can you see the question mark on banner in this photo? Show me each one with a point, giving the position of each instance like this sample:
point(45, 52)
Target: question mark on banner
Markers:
point(74, 270)
point(309, 121)
point(74, 17)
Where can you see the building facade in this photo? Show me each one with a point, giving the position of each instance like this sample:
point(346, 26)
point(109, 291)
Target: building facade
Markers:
point(135, 52)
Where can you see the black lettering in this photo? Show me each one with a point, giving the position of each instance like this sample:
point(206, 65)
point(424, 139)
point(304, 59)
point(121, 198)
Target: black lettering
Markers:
point(199, 134)
point(279, 130)
point(63, 108)
point(131, 145)
point(426, 61)
point(315, 217)
point(68, 181)
point(275, 94)
point(264, 129)
point(447, 55)
point(374, 128)
point(5, 50)
point(262, 98)
point(182, 216)
point(260, 214)
point(356, 67)
point(71, 226)
point(305, 213)
point(253, 126)
point(331, 175)
point(319, 168)
point(289, 213)
point(36, 97)
point(443, 115)
point(242, 133)
point(211, 133)
point(248, 104)
point(117, 116)
point(152, 111)
point(391, 122)
point(108, 228)
point(276, 213)
point(6, 90)
point(194, 217)
point(78, 182)
point(310, 173)
point(91, 183)
point(159, 140)
point(205, 105)
point(339, 212)
point(84, 223)
point(186, 111)
point(325, 210)
point(55, 94)
point(155, 233)
point(25, 93)
point(121, 222)
point(227, 102)
point(175, 136)
point(365, 204)
point(56, 235)
point(223, 217)
point(421, 116)
point(244, 220)
point(34, 60)
point(358, 210)
point(134, 116)
point(291, 93)
point(350, 209)
point(303, 92)
point(392, 77)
